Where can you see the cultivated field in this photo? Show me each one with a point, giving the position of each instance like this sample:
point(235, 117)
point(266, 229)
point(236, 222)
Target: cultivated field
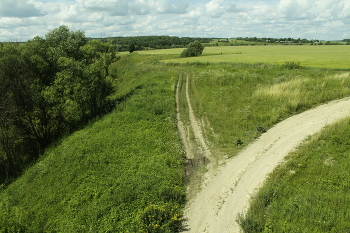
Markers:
point(330, 56)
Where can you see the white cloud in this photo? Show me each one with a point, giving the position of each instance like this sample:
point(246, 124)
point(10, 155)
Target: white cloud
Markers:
point(142, 7)
point(322, 19)
point(232, 8)
point(295, 9)
point(194, 14)
point(345, 6)
point(334, 24)
point(191, 22)
point(113, 7)
point(167, 7)
point(217, 8)
point(19, 9)
point(214, 8)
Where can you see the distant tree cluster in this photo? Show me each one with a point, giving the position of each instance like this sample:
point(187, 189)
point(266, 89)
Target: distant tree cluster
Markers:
point(193, 49)
point(278, 40)
point(49, 87)
point(153, 42)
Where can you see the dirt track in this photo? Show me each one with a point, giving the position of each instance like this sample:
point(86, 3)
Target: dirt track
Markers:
point(225, 195)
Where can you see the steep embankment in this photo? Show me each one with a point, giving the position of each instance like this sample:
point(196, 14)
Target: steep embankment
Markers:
point(122, 173)
point(222, 197)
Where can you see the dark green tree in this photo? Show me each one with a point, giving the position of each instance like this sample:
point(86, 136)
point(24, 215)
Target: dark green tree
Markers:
point(193, 49)
point(132, 48)
point(49, 87)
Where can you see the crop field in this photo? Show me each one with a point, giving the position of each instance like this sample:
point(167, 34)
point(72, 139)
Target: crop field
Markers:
point(330, 56)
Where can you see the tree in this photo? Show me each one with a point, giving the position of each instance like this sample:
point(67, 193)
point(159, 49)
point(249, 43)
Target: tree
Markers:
point(132, 48)
point(49, 87)
point(193, 49)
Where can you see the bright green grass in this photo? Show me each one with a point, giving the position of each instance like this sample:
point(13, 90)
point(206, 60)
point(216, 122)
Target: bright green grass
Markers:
point(330, 56)
point(125, 172)
point(176, 51)
point(122, 173)
point(238, 101)
point(310, 191)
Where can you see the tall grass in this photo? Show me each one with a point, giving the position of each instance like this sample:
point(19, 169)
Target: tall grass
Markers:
point(310, 191)
point(123, 173)
point(240, 101)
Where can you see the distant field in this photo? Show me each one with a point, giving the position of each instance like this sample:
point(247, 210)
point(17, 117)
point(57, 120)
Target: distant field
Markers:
point(330, 56)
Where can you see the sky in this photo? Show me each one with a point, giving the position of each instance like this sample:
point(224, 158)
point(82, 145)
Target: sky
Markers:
point(21, 20)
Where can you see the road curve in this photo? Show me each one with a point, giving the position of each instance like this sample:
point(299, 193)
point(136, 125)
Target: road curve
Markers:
point(215, 208)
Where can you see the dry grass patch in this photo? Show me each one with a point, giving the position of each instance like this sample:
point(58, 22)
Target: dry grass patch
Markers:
point(290, 89)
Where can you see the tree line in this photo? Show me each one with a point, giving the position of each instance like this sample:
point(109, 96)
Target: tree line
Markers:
point(289, 40)
point(152, 42)
point(49, 87)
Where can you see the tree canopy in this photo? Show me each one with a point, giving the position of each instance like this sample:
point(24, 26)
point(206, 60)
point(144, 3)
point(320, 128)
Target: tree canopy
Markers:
point(50, 87)
point(193, 49)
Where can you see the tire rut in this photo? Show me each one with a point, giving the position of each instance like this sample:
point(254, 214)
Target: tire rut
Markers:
point(217, 205)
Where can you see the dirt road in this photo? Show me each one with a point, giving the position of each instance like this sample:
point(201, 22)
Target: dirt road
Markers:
point(216, 206)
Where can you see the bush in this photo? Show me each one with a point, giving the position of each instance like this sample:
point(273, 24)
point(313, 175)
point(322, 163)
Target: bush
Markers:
point(292, 65)
point(156, 218)
point(193, 49)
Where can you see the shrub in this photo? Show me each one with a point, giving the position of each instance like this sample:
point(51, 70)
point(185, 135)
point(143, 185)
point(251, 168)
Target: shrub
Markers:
point(193, 49)
point(160, 218)
point(292, 65)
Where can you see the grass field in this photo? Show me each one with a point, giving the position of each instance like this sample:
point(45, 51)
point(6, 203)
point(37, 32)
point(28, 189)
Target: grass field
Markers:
point(239, 101)
point(310, 191)
point(316, 56)
point(125, 172)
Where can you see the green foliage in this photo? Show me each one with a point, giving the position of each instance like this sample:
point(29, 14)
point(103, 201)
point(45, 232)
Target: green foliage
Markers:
point(160, 219)
point(193, 49)
point(124, 173)
point(153, 42)
point(108, 176)
point(308, 193)
point(50, 87)
point(292, 65)
point(132, 48)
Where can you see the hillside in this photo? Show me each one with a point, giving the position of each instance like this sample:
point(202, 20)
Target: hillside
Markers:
point(123, 172)
point(127, 171)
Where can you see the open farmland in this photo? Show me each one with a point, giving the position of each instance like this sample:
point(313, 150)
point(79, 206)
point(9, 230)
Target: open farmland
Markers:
point(330, 56)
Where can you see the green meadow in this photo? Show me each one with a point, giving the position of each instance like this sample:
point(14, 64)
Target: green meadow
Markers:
point(315, 56)
point(124, 172)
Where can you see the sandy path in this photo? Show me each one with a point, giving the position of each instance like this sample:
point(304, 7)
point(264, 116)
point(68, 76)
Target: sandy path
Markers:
point(215, 208)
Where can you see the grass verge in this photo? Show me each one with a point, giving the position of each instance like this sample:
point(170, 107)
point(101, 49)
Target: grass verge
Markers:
point(310, 191)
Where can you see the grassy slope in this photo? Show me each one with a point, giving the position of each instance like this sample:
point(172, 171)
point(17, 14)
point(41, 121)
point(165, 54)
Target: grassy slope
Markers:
point(129, 164)
point(123, 172)
point(310, 191)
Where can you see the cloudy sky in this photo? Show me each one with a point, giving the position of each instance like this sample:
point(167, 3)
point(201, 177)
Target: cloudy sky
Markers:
point(312, 19)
